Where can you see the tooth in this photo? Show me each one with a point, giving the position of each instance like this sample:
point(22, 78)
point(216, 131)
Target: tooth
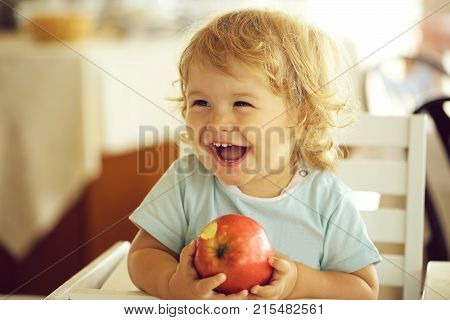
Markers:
point(224, 144)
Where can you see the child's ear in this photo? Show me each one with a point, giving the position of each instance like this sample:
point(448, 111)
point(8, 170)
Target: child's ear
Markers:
point(296, 116)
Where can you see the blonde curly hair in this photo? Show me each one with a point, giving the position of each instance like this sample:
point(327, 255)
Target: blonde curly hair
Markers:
point(299, 62)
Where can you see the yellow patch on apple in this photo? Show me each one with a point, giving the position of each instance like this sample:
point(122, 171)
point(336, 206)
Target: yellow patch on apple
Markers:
point(209, 231)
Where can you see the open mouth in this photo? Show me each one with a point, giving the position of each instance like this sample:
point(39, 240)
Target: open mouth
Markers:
point(228, 154)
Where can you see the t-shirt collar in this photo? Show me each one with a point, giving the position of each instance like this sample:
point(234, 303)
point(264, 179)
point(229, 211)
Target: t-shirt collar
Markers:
point(296, 180)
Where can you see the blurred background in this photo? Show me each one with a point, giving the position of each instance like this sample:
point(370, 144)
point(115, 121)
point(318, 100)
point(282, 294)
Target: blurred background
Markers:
point(86, 128)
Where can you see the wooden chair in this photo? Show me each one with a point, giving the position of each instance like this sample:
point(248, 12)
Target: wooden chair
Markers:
point(399, 226)
point(406, 178)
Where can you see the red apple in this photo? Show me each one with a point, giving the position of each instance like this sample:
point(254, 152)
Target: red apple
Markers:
point(237, 246)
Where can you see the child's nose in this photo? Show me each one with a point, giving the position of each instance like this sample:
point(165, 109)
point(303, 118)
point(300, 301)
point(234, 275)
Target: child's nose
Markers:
point(222, 120)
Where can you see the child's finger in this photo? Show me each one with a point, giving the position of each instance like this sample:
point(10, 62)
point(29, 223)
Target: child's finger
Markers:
point(187, 258)
point(280, 265)
point(281, 256)
point(266, 292)
point(187, 253)
point(234, 296)
point(209, 284)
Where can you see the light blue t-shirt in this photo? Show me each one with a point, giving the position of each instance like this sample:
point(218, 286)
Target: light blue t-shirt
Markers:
point(315, 223)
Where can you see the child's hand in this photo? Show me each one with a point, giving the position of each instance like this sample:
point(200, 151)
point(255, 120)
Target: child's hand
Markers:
point(282, 282)
point(185, 284)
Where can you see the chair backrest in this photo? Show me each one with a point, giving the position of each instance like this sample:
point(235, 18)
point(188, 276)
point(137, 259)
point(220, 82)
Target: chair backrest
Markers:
point(404, 178)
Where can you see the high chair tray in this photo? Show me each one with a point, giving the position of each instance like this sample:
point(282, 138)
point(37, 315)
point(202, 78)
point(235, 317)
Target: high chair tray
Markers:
point(105, 278)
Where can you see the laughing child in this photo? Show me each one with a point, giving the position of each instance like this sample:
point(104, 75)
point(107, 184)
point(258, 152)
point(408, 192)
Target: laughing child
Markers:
point(260, 100)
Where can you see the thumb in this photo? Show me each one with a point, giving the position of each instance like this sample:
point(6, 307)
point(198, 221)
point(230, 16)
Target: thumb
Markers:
point(187, 254)
point(280, 255)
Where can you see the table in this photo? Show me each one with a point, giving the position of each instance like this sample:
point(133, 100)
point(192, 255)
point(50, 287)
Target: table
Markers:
point(437, 281)
point(63, 107)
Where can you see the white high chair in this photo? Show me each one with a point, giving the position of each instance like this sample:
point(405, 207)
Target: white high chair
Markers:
point(405, 177)
point(105, 278)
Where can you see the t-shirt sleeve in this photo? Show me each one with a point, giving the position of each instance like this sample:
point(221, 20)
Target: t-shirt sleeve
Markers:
point(347, 247)
point(161, 213)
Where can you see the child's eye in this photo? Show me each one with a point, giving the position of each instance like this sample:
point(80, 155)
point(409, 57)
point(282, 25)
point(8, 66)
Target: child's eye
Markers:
point(242, 104)
point(201, 103)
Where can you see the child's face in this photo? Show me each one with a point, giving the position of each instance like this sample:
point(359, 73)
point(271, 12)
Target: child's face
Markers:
point(241, 111)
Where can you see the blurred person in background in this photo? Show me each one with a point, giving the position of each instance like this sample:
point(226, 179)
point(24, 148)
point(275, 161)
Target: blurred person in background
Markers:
point(401, 85)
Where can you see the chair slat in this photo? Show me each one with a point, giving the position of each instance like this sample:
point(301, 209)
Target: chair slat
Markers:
point(415, 207)
point(370, 131)
point(385, 225)
point(390, 270)
point(386, 177)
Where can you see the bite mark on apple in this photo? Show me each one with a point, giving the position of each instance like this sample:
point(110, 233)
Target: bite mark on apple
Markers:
point(209, 231)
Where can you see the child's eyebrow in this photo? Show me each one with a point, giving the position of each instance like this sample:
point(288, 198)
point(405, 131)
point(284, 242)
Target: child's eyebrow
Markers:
point(194, 92)
point(244, 94)
point(238, 94)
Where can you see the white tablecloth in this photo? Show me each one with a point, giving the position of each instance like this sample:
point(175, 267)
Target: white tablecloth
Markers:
point(59, 113)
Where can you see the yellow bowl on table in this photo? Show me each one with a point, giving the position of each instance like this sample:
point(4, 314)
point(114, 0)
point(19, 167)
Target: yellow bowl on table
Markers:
point(58, 25)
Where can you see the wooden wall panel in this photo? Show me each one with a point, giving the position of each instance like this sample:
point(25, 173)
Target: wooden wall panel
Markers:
point(97, 220)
